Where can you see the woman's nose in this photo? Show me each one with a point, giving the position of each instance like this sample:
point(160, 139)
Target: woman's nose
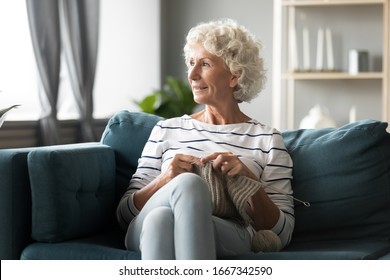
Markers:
point(193, 72)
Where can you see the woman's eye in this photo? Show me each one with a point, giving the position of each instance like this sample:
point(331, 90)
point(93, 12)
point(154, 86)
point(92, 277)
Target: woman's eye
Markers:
point(192, 64)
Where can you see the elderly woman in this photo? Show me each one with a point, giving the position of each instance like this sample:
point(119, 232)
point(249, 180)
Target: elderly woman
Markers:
point(170, 207)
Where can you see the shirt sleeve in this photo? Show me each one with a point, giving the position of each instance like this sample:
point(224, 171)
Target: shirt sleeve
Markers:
point(149, 167)
point(277, 177)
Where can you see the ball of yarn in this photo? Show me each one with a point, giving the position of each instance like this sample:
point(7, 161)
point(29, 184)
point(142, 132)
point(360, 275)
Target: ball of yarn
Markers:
point(266, 241)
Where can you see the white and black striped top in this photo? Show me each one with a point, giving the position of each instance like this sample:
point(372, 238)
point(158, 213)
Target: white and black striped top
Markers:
point(259, 147)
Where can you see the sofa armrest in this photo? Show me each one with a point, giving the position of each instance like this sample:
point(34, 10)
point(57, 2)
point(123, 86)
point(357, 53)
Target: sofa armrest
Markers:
point(15, 203)
point(72, 190)
point(15, 189)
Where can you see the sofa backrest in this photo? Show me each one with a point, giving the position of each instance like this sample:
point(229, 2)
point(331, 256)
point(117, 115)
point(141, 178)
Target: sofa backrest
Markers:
point(127, 133)
point(344, 173)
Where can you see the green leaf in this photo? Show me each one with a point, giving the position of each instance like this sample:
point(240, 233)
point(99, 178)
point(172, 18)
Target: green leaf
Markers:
point(147, 104)
point(174, 86)
point(161, 98)
point(173, 100)
point(168, 110)
point(3, 113)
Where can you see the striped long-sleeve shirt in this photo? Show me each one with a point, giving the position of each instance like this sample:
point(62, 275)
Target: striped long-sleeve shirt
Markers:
point(259, 147)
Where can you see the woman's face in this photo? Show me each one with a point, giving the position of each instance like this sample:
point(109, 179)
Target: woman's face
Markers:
point(210, 79)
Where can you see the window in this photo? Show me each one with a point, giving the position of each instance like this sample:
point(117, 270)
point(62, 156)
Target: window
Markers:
point(128, 65)
point(18, 77)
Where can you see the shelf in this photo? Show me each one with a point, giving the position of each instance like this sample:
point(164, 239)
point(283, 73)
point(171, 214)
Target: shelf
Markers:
point(348, 15)
point(332, 76)
point(329, 2)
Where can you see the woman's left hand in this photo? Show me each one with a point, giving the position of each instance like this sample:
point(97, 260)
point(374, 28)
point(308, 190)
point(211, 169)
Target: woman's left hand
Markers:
point(229, 164)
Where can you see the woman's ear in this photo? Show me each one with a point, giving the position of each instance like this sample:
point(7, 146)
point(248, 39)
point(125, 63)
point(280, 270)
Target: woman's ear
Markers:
point(233, 81)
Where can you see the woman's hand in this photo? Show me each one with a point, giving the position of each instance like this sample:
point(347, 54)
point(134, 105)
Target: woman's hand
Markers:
point(180, 164)
point(261, 208)
point(229, 164)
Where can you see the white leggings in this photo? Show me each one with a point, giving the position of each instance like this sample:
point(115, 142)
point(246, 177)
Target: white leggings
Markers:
point(176, 223)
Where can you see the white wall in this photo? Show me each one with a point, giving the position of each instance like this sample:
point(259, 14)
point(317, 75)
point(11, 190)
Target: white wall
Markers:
point(129, 54)
point(180, 15)
point(18, 79)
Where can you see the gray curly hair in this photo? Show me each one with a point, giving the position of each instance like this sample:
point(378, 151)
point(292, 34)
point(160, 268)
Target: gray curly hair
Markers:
point(239, 49)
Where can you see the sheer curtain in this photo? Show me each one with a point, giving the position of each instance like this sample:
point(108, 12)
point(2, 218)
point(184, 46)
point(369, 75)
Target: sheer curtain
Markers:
point(75, 23)
point(43, 18)
point(80, 29)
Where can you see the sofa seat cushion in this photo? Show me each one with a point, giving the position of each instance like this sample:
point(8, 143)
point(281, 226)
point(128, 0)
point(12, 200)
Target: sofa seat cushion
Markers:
point(104, 246)
point(73, 191)
point(345, 174)
point(327, 250)
point(385, 257)
point(109, 246)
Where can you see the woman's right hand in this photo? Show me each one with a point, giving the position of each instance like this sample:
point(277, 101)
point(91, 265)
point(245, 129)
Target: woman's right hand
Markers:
point(179, 164)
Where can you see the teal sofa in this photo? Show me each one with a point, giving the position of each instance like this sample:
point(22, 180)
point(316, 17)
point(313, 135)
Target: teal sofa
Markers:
point(58, 202)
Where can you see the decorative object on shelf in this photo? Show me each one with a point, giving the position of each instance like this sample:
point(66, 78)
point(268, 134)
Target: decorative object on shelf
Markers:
point(320, 50)
point(306, 50)
point(358, 61)
point(352, 114)
point(329, 49)
point(325, 43)
point(318, 117)
point(293, 48)
point(173, 100)
point(292, 44)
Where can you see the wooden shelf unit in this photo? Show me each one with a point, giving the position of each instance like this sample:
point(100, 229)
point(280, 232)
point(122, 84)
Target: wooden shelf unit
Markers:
point(332, 75)
point(284, 80)
point(306, 3)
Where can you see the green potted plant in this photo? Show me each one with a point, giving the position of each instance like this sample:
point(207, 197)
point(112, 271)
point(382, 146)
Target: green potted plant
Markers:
point(173, 100)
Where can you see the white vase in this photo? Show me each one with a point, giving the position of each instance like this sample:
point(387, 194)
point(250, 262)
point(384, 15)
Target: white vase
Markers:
point(318, 117)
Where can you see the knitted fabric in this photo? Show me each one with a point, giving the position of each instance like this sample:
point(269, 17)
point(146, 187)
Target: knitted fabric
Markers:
point(229, 196)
